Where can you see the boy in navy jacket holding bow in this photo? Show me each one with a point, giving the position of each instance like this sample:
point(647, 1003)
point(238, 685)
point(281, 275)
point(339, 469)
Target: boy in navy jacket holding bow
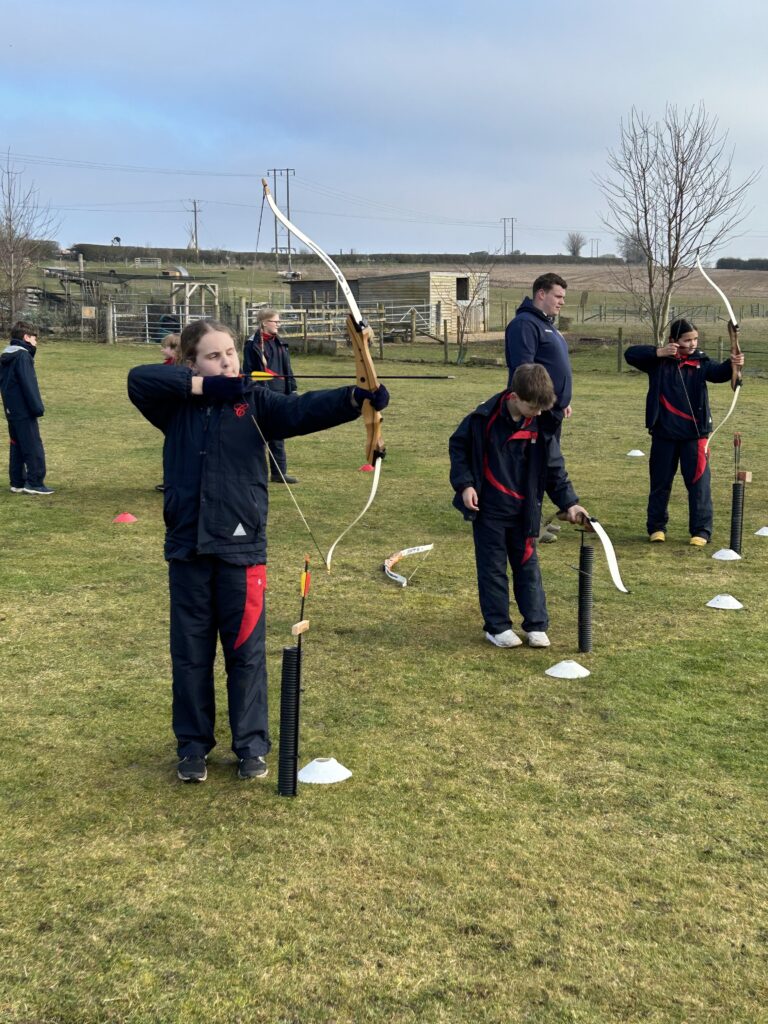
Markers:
point(504, 457)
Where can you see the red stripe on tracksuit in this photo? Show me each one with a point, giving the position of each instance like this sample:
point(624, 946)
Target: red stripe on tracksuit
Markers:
point(702, 457)
point(498, 484)
point(255, 585)
point(676, 412)
point(530, 547)
point(518, 435)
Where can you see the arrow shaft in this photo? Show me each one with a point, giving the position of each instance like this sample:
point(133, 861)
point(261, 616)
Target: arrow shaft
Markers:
point(265, 375)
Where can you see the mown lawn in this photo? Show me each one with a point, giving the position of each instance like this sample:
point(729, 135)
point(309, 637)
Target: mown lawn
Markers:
point(510, 847)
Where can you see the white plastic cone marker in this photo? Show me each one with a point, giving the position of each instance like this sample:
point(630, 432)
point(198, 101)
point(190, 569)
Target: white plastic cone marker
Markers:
point(724, 601)
point(762, 532)
point(567, 670)
point(323, 771)
point(125, 517)
point(636, 453)
point(727, 555)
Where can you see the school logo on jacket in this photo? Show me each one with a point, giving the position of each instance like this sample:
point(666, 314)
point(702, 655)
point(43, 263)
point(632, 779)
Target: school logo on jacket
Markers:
point(241, 409)
point(239, 531)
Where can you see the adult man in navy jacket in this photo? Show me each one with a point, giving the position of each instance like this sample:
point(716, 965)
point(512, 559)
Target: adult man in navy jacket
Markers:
point(533, 338)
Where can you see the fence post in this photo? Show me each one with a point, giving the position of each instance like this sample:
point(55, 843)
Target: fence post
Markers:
point(619, 347)
point(304, 339)
point(243, 316)
point(110, 323)
point(445, 341)
point(413, 326)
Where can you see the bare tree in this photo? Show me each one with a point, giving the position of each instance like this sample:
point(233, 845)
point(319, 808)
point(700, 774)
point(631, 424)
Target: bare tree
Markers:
point(630, 249)
point(574, 242)
point(25, 230)
point(670, 195)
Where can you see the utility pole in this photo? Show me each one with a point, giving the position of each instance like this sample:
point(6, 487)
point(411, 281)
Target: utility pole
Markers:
point(594, 247)
point(195, 245)
point(511, 222)
point(282, 172)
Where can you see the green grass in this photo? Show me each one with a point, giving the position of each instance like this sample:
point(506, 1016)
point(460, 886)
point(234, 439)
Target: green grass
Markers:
point(510, 847)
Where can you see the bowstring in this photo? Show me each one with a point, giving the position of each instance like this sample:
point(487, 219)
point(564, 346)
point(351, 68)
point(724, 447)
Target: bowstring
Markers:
point(288, 488)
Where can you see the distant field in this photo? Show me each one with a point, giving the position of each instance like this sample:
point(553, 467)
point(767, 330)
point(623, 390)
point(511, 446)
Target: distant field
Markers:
point(743, 285)
point(606, 307)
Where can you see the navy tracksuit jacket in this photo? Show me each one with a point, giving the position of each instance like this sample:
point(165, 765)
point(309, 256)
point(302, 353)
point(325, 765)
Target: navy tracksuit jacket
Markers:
point(531, 337)
point(215, 509)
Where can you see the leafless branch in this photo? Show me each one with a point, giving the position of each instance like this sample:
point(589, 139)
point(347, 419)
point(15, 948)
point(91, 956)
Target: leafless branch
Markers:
point(25, 227)
point(670, 195)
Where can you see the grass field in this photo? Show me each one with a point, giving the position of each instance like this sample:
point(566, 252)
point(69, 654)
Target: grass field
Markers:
point(510, 847)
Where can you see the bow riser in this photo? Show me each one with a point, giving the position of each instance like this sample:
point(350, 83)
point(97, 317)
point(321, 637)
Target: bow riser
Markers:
point(360, 339)
point(733, 334)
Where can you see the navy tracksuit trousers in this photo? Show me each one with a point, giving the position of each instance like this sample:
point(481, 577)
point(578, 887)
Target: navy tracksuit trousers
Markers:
point(498, 541)
point(211, 599)
point(27, 455)
point(666, 455)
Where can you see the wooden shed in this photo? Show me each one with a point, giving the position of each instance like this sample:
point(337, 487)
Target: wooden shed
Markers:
point(448, 293)
point(438, 295)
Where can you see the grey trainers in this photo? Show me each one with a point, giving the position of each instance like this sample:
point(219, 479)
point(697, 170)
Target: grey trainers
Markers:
point(506, 639)
point(537, 638)
point(192, 769)
point(252, 768)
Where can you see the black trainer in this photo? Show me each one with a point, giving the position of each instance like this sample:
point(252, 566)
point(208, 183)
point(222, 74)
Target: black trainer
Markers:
point(192, 769)
point(252, 768)
point(287, 480)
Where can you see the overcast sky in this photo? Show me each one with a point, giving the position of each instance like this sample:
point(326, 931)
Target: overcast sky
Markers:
point(411, 126)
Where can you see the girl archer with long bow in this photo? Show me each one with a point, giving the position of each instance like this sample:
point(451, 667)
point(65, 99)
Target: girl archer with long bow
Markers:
point(215, 509)
point(679, 421)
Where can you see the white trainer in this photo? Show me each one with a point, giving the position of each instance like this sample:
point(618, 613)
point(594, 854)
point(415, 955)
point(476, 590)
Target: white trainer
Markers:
point(506, 639)
point(537, 639)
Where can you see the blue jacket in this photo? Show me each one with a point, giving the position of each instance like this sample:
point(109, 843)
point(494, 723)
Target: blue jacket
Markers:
point(18, 382)
point(276, 357)
point(532, 338)
point(664, 377)
point(214, 464)
point(545, 466)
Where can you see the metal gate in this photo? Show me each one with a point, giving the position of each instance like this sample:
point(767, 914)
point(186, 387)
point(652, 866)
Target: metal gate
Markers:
point(330, 319)
point(150, 321)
